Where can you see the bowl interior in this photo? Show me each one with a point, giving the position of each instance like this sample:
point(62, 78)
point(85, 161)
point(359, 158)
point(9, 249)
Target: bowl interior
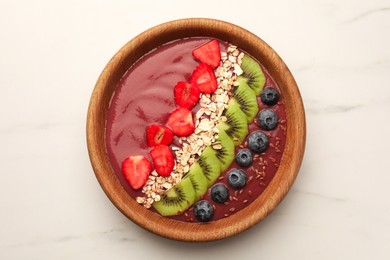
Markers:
point(295, 138)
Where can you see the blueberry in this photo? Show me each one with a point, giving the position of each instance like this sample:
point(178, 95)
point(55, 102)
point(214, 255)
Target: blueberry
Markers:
point(258, 141)
point(267, 119)
point(269, 96)
point(219, 193)
point(244, 157)
point(203, 210)
point(237, 178)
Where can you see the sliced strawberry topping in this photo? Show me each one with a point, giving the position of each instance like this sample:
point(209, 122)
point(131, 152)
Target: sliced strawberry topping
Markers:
point(208, 53)
point(136, 170)
point(186, 94)
point(203, 76)
point(158, 134)
point(181, 122)
point(163, 159)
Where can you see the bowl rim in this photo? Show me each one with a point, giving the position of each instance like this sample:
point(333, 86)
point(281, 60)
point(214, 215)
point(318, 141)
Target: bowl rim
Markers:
point(291, 159)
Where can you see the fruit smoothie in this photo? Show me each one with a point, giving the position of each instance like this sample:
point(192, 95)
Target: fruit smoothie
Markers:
point(196, 130)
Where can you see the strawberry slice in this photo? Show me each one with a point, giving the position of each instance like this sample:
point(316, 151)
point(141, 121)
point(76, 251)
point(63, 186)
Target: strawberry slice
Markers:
point(181, 122)
point(186, 94)
point(163, 160)
point(158, 134)
point(136, 170)
point(203, 76)
point(208, 53)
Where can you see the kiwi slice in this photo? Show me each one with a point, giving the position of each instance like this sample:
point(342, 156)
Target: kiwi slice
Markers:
point(198, 180)
point(210, 165)
point(226, 154)
point(246, 99)
point(236, 125)
point(252, 74)
point(177, 199)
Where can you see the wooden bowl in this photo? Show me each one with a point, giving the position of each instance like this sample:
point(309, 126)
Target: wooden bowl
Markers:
point(295, 138)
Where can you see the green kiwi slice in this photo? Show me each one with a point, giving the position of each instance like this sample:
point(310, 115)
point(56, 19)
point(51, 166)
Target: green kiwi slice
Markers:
point(252, 74)
point(210, 165)
point(236, 125)
point(226, 154)
point(246, 99)
point(198, 180)
point(177, 199)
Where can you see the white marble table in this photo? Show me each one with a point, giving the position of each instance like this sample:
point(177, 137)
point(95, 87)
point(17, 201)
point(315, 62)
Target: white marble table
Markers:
point(51, 53)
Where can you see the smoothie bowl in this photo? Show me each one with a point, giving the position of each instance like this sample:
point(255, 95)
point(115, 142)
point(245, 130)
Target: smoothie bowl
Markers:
point(196, 129)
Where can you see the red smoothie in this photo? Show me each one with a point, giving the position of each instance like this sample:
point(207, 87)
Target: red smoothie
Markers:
point(144, 96)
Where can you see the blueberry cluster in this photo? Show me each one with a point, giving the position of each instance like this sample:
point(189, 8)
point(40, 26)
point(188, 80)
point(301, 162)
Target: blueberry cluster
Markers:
point(267, 119)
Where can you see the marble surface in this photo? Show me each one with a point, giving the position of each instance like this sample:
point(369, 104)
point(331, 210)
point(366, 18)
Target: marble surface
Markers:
point(52, 52)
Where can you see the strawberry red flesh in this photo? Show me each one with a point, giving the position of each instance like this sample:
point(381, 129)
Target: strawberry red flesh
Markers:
point(204, 78)
point(163, 160)
point(186, 94)
point(158, 134)
point(136, 170)
point(181, 122)
point(208, 53)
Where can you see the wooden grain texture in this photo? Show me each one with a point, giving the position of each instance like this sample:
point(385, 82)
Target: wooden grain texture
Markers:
point(295, 140)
